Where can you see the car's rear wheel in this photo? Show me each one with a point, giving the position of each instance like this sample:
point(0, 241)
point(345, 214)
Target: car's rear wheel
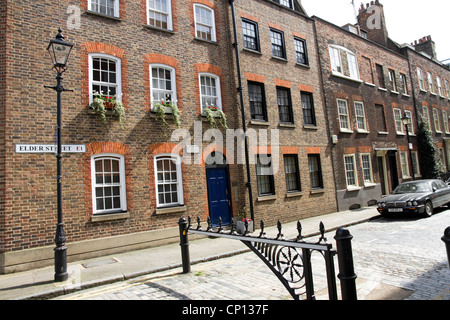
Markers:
point(428, 209)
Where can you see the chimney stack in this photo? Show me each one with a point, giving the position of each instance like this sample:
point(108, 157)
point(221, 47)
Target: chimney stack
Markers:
point(371, 19)
point(427, 46)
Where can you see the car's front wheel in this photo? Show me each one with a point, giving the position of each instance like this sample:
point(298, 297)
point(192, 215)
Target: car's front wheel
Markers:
point(428, 209)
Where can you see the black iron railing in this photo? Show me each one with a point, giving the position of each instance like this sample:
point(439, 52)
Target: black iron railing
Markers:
point(289, 260)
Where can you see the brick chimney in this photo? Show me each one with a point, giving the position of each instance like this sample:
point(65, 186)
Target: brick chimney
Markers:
point(426, 45)
point(371, 19)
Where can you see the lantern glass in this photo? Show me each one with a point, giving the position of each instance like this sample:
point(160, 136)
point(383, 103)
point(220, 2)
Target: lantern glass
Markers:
point(405, 119)
point(59, 51)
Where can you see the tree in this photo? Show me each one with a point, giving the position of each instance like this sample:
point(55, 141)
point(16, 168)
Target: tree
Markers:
point(430, 162)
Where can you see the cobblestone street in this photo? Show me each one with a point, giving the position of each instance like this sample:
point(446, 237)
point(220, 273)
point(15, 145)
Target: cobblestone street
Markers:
point(403, 255)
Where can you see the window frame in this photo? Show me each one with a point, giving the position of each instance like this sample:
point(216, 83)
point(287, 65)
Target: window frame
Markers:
point(398, 121)
point(290, 6)
point(410, 122)
point(439, 86)
point(364, 169)
point(310, 110)
point(295, 173)
point(426, 116)
point(121, 184)
point(437, 121)
point(393, 80)
point(430, 82)
point(270, 182)
point(255, 25)
point(173, 82)
point(347, 116)
point(212, 26)
point(217, 87)
point(253, 115)
point(168, 14)
point(290, 112)
point(421, 79)
point(358, 117)
point(282, 46)
point(415, 164)
point(404, 164)
point(304, 53)
point(337, 66)
point(445, 118)
point(404, 82)
point(93, 82)
point(179, 181)
point(353, 172)
point(318, 172)
point(116, 9)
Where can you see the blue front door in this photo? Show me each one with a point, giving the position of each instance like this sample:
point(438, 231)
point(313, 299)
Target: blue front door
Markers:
point(219, 205)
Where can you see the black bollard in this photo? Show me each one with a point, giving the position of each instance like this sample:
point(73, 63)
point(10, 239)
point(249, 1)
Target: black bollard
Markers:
point(446, 239)
point(184, 244)
point(347, 274)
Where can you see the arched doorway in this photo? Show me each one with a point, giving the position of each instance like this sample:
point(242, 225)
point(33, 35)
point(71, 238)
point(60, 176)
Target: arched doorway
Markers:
point(219, 199)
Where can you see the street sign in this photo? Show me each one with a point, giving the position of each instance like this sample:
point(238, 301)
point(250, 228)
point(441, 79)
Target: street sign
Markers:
point(49, 148)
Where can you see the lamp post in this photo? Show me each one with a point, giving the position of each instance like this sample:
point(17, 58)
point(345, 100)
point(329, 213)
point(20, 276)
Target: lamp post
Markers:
point(406, 120)
point(59, 52)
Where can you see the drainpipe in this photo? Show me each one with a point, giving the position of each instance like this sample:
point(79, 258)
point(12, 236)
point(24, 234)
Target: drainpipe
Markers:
point(244, 127)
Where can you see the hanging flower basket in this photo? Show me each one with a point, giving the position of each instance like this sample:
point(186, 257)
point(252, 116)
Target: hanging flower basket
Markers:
point(162, 108)
point(101, 104)
point(213, 112)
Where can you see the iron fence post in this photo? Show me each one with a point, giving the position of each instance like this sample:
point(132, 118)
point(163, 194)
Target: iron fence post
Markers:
point(184, 244)
point(347, 274)
point(446, 239)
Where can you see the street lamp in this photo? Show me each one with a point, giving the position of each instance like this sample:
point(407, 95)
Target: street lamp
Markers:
point(406, 120)
point(59, 51)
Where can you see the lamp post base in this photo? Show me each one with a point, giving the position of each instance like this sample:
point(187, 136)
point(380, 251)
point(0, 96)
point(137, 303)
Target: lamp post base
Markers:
point(61, 264)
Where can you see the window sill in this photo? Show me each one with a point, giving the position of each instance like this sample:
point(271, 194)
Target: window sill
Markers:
point(395, 92)
point(294, 194)
point(369, 84)
point(169, 210)
point(382, 89)
point(346, 77)
point(252, 51)
point(110, 216)
point(363, 131)
point(286, 125)
point(149, 27)
point(317, 191)
point(383, 133)
point(406, 95)
point(302, 65)
point(260, 122)
point(206, 41)
point(279, 59)
point(310, 127)
point(267, 198)
point(93, 13)
point(353, 188)
point(346, 131)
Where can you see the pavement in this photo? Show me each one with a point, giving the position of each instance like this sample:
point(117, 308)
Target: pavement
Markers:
point(38, 284)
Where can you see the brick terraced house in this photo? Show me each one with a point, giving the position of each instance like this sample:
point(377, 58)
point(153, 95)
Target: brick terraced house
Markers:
point(321, 105)
point(133, 183)
point(367, 90)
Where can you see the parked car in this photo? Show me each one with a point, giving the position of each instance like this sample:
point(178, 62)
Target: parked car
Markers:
point(416, 197)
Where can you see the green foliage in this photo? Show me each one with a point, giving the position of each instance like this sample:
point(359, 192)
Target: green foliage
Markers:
point(430, 162)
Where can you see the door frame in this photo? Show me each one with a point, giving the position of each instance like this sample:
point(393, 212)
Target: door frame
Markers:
point(227, 171)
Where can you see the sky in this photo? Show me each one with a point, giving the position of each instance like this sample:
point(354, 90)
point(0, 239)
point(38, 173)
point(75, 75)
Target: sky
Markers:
point(406, 20)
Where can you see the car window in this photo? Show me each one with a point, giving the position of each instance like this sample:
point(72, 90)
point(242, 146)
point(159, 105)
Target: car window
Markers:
point(441, 184)
point(413, 188)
